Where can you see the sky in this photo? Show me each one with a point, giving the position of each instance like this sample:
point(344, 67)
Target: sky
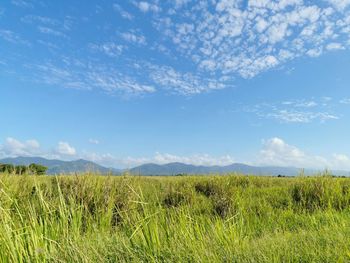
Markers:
point(214, 82)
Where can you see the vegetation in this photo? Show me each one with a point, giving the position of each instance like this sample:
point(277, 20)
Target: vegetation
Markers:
point(233, 218)
point(33, 168)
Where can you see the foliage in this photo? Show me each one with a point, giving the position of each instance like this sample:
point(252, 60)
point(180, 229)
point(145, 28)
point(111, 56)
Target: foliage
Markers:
point(22, 169)
point(7, 168)
point(229, 218)
point(37, 169)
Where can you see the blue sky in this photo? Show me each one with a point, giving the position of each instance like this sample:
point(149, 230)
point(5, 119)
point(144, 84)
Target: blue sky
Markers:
point(204, 82)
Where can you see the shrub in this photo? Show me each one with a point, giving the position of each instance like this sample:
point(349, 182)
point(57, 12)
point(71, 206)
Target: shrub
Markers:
point(7, 168)
point(207, 188)
point(37, 169)
point(174, 199)
point(320, 193)
point(222, 206)
point(21, 169)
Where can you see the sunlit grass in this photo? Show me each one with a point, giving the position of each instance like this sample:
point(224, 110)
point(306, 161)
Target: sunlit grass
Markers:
point(233, 218)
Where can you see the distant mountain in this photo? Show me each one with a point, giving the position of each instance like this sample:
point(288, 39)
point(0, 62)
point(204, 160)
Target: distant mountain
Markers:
point(179, 168)
point(81, 166)
point(61, 167)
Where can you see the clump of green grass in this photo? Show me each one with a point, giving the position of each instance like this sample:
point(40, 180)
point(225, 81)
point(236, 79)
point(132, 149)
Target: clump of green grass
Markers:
point(233, 218)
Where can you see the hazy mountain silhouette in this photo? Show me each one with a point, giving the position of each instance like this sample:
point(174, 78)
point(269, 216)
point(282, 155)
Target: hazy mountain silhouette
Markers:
point(81, 166)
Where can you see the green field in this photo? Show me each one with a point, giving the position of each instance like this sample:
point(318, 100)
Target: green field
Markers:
point(233, 218)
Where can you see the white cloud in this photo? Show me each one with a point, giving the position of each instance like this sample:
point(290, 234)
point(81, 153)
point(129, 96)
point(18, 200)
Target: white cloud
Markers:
point(85, 75)
point(314, 52)
point(345, 101)
point(295, 111)
point(224, 38)
point(122, 12)
point(341, 161)
point(109, 48)
point(261, 24)
point(50, 31)
point(180, 3)
point(340, 4)
point(131, 37)
point(12, 37)
point(32, 19)
point(290, 116)
point(198, 159)
point(112, 82)
point(277, 33)
point(93, 141)
point(159, 158)
point(12, 147)
point(277, 152)
point(21, 3)
point(306, 104)
point(334, 46)
point(63, 148)
point(216, 40)
point(182, 82)
point(146, 7)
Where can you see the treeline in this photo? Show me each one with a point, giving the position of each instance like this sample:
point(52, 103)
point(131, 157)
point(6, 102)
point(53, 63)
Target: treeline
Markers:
point(34, 169)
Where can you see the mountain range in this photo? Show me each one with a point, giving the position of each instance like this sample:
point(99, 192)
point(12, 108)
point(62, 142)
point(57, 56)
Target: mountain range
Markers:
point(81, 166)
point(61, 167)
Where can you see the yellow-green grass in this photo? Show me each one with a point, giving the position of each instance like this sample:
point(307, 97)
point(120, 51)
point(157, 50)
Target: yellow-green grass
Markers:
point(231, 218)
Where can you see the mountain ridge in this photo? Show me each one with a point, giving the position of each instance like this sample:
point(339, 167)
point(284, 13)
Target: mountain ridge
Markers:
point(56, 166)
point(179, 168)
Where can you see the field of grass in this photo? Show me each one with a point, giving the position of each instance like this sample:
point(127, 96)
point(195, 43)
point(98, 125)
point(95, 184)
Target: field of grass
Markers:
point(233, 218)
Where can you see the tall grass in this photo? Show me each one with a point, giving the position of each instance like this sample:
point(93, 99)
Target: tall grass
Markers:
point(233, 218)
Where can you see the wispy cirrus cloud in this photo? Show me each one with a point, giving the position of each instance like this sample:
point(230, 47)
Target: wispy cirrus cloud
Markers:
point(185, 83)
point(295, 111)
point(85, 75)
point(290, 116)
point(199, 47)
point(123, 13)
point(22, 3)
point(12, 37)
point(109, 48)
point(33, 19)
point(94, 141)
point(345, 101)
point(50, 31)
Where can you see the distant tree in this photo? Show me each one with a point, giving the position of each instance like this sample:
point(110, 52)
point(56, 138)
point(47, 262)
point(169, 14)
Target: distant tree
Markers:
point(37, 169)
point(7, 168)
point(21, 169)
